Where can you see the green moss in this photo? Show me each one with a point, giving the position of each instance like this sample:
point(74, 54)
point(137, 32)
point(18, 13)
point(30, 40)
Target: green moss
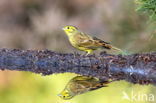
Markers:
point(148, 7)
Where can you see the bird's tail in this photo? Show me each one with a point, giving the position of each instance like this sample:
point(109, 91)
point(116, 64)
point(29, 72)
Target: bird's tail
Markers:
point(123, 52)
point(109, 46)
point(100, 85)
point(104, 83)
point(115, 48)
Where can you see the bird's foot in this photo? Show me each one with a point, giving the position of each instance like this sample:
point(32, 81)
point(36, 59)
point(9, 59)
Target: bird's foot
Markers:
point(76, 54)
point(84, 54)
point(103, 53)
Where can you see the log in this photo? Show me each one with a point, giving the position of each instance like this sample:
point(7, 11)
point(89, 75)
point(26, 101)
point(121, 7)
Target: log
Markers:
point(135, 68)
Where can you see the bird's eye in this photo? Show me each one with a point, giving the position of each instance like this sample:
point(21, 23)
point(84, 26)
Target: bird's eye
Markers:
point(68, 27)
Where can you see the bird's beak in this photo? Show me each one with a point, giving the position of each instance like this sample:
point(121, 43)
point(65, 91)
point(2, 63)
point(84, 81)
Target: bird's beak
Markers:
point(59, 95)
point(63, 29)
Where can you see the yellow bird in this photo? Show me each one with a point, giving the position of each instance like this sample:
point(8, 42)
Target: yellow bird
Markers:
point(85, 42)
point(81, 84)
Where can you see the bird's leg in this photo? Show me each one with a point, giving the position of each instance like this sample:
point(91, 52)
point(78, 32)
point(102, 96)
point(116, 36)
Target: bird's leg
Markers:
point(88, 52)
point(75, 53)
point(94, 54)
point(103, 52)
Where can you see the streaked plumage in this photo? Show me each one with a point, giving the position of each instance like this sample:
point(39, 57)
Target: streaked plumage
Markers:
point(81, 84)
point(85, 42)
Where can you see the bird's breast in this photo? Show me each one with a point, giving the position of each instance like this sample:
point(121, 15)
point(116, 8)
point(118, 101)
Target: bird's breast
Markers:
point(73, 41)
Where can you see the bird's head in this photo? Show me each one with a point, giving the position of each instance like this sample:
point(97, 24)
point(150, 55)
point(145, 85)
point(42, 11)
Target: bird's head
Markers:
point(65, 94)
point(69, 30)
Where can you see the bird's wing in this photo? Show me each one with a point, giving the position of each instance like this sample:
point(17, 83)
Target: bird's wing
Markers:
point(84, 40)
point(99, 40)
point(81, 78)
point(79, 87)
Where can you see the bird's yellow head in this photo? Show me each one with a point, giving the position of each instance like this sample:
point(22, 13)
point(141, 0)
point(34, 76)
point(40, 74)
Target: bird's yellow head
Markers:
point(65, 94)
point(69, 30)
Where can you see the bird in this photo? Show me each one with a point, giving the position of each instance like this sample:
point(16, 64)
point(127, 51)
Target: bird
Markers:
point(81, 84)
point(85, 42)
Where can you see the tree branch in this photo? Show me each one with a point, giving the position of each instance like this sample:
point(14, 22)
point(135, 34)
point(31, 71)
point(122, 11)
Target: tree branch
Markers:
point(135, 68)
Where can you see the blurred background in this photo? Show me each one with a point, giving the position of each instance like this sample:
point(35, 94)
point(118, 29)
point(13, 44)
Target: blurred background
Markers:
point(37, 24)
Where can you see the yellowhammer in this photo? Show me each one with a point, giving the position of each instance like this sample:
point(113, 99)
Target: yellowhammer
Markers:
point(85, 42)
point(81, 84)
